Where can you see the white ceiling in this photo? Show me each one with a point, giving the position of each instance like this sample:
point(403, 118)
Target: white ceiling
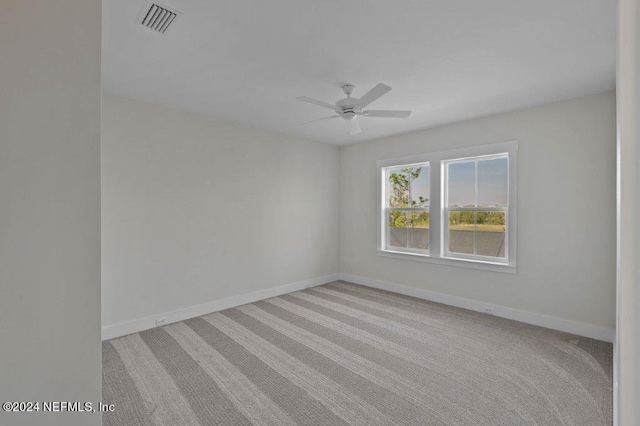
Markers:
point(447, 60)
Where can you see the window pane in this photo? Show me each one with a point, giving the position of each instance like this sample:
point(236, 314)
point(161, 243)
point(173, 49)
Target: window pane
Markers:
point(461, 232)
point(398, 225)
point(419, 230)
point(398, 192)
point(490, 228)
point(419, 186)
point(493, 178)
point(461, 190)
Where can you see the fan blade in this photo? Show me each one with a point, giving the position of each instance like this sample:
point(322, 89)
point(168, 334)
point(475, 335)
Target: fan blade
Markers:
point(319, 119)
point(386, 113)
point(373, 94)
point(353, 126)
point(317, 102)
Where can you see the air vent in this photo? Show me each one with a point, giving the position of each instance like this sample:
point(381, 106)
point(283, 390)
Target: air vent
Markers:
point(158, 18)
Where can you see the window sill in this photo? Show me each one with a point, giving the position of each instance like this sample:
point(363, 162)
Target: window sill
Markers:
point(461, 263)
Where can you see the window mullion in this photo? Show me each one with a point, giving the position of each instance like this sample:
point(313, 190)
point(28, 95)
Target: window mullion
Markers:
point(435, 213)
point(475, 202)
point(475, 213)
point(475, 232)
point(407, 214)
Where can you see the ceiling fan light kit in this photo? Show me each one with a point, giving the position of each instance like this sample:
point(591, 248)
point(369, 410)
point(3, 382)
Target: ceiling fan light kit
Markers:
point(350, 108)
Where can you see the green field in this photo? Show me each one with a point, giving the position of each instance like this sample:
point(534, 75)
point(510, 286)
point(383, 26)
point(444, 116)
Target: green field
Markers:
point(463, 227)
point(469, 227)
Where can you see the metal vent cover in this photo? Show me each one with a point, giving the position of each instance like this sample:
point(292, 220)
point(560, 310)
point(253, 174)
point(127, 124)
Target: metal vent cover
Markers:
point(157, 17)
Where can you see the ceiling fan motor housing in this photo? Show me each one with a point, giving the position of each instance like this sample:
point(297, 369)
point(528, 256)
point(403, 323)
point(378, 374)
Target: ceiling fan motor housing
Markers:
point(348, 115)
point(349, 108)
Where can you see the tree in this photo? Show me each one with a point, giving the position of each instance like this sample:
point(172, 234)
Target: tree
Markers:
point(397, 220)
point(401, 188)
point(400, 197)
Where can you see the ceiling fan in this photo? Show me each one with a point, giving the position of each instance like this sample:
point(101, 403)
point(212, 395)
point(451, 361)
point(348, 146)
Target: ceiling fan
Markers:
point(350, 108)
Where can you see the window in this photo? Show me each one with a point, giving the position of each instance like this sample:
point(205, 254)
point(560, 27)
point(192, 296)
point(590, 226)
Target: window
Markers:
point(407, 212)
point(452, 207)
point(476, 207)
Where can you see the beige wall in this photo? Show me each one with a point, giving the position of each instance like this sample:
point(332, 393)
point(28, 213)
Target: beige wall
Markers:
point(197, 209)
point(50, 206)
point(566, 213)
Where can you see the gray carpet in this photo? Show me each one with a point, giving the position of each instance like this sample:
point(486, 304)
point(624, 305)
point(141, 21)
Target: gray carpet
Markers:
point(346, 354)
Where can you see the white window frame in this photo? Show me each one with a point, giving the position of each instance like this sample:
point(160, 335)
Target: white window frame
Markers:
point(437, 208)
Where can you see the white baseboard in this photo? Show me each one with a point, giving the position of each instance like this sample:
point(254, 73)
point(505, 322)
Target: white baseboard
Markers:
point(555, 323)
point(140, 324)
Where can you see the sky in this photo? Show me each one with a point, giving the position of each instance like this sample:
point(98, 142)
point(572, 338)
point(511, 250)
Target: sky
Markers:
point(420, 186)
point(492, 182)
